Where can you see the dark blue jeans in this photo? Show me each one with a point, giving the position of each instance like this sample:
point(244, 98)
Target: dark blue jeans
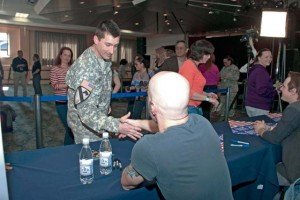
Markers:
point(36, 81)
point(136, 108)
point(62, 110)
point(195, 110)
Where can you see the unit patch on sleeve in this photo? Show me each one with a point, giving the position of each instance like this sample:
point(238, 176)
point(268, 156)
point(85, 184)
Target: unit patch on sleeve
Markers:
point(83, 92)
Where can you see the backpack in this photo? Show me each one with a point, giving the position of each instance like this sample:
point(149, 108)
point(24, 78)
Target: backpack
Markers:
point(293, 192)
point(7, 116)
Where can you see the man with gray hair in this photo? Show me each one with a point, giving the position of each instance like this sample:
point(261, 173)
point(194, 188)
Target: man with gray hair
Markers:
point(175, 62)
point(184, 156)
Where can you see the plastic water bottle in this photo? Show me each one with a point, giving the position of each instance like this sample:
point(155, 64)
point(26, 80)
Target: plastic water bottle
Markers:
point(105, 159)
point(86, 163)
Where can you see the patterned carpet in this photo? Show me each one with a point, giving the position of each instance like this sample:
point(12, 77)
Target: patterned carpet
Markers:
point(23, 135)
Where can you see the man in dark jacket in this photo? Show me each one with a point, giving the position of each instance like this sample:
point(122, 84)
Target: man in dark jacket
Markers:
point(287, 131)
point(174, 63)
point(20, 68)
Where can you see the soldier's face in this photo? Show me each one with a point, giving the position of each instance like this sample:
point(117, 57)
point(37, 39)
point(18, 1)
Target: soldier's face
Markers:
point(106, 46)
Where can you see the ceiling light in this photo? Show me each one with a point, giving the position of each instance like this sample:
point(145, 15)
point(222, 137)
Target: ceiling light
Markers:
point(116, 12)
point(21, 15)
point(81, 2)
point(205, 5)
point(238, 10)
point(90, 11)
point(211, 12)
point(135, 2)
point(66, 15)
point(170, 29)
point(118, 6)
point(181, 20)
point(234, 19)
point(136, 23)
point(168, 23)
point(165, 14)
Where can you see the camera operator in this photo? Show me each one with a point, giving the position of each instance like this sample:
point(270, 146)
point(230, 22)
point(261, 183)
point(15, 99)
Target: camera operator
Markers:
point(253, 53)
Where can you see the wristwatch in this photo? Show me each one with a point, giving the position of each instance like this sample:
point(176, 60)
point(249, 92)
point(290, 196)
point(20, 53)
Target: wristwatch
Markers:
point(207, 98)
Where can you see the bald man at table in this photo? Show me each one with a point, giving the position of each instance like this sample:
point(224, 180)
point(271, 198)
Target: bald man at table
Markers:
point(184, 156)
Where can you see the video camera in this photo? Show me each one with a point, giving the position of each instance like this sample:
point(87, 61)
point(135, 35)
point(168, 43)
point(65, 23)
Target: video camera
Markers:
point(251, 33)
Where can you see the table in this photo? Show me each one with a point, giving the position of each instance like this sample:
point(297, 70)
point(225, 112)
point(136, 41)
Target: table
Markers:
point(53, 173)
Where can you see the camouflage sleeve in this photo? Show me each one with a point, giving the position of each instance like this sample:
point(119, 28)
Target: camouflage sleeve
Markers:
point(94, 117)
point(93, 110)
point(234, 73)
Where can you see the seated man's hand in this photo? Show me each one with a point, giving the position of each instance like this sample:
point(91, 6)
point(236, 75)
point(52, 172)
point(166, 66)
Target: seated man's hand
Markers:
point(259, 127)
point(8, 167)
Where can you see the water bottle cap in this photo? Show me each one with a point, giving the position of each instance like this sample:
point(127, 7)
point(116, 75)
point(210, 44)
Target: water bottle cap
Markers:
point(85, 141)
point(105, 135)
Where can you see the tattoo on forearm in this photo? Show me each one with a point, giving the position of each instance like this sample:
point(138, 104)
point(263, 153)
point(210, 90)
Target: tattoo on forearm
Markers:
point(131, 172)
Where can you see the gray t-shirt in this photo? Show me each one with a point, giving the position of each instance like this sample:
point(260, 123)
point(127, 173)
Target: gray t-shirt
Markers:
point(186, 161)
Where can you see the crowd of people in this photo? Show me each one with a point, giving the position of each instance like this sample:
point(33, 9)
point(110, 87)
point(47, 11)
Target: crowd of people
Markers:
point(176, 91)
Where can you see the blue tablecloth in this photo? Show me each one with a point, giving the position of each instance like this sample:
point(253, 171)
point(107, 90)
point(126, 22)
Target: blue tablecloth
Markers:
point(53, 173)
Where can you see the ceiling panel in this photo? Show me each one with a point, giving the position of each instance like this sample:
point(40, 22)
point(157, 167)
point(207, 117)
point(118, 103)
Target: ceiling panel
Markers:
point(183, 16)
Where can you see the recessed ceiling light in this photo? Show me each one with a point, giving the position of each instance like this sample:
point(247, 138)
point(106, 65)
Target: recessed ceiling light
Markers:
point(233, 0)
point(181, 20)
point(66, 15)
point(21, 15)
point(211, 12)
point(136, 23)
point(90, 11)
point(238, 10)
point(165, 14)
point(118, 6)
point(168, 23)
point(234, 19)
point(170, 29)
point(116, 12)
point(205, 5)
point(81, 2)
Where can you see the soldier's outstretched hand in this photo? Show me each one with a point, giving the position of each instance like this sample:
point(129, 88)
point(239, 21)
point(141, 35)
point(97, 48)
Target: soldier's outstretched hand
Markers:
point(129, 130)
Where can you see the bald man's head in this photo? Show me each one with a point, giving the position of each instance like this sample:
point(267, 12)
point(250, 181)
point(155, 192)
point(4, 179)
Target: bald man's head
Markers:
point(169, 93)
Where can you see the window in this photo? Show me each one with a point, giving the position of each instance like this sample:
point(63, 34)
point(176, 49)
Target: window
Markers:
point(4, 45)
point(48, 45)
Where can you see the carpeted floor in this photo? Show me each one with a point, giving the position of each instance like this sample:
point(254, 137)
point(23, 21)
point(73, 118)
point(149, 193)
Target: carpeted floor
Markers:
point(23, 135)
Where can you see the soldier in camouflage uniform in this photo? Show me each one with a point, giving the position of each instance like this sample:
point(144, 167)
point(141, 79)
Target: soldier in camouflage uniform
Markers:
point(229, 79)
point(89, 94)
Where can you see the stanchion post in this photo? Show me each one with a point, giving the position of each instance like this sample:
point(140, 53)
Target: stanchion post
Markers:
point(227, 104)
point(38, 121)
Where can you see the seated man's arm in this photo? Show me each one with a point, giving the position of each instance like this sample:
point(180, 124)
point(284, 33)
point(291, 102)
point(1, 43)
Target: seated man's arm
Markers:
point(130, 178)
point(142, 166)
point(148, 125)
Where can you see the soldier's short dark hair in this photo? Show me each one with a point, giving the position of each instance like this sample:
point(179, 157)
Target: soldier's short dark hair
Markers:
point(107, 26)
point(201, 48)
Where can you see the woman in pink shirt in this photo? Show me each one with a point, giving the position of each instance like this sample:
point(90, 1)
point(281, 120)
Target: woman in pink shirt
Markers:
point(58, 73)
point(211, 73)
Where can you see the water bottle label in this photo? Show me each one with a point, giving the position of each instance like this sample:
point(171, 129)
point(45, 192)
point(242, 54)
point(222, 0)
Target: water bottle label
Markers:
point(86, 167)
point(105, 159)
